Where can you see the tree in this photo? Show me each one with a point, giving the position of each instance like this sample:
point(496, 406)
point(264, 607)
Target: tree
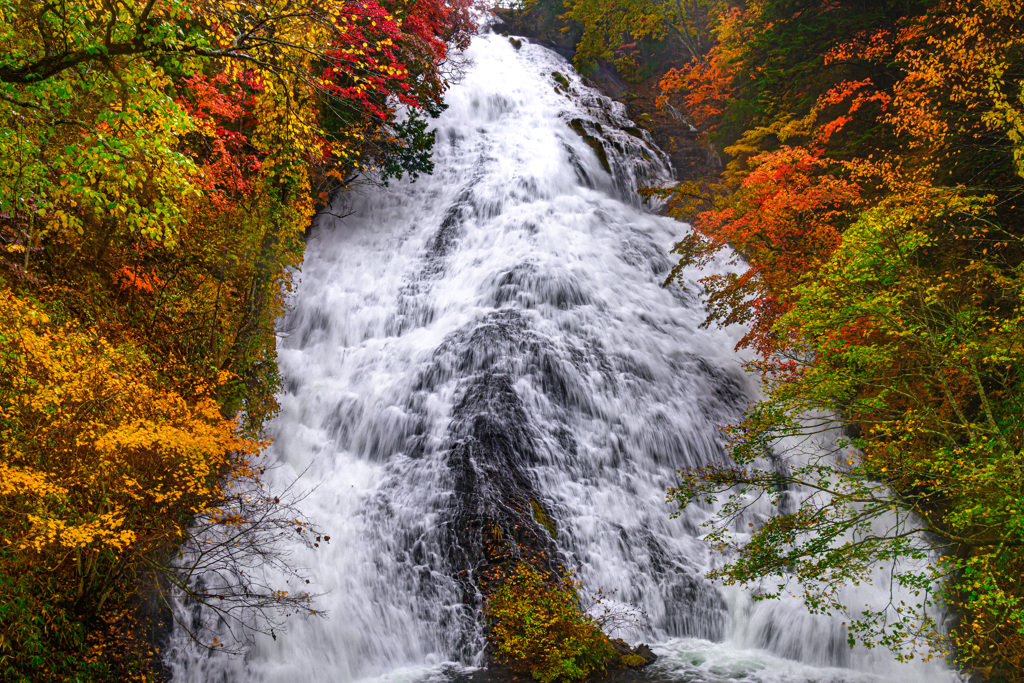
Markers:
point(612, 29)
point(877, 216)
point(912, 358)
point(103, 469)
point(159, 166)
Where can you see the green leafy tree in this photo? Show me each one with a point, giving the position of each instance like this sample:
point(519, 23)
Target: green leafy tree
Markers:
point(876, 205)
point(612, 29)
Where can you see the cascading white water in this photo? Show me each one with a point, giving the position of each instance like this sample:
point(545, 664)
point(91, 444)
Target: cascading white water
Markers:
point(512, 298)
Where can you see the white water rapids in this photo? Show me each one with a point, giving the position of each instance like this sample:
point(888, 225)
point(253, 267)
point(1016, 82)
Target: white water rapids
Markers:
point(513, 294)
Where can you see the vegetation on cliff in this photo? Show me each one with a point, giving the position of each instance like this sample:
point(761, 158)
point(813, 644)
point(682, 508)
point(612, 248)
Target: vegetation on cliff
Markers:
point(159, 164)
point(875, 166)
point(873, 187)
point(538, 629)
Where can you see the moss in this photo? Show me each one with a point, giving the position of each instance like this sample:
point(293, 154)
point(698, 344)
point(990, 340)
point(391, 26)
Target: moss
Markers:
point(543, 519)
point(633, 661)
point(602, 156)
point(561, 80)
point(634, 131)
point(516, 43)
point(598, 148)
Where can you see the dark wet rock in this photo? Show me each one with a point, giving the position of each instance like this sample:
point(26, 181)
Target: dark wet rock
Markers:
point(577, 165)
point(542, 23)
point(529, 286)
point(633, 657)
point(644, 651)
point(595, 143)
point(492, 521)
point(561, 82)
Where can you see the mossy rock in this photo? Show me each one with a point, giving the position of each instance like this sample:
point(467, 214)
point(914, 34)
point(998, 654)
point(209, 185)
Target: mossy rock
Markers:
point(580, 129)
point(516, 43)
point(542, 518)
point(634, 131)
point(598, 148)
point(633, 661)
point(561, 82)
point(570, 647)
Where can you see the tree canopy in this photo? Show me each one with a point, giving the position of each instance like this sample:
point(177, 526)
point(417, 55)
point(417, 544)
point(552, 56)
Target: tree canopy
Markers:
point(873, 191)
point(160, 163)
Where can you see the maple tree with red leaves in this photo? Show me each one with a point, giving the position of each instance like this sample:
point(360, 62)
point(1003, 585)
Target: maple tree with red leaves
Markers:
point(872, 200)
point(160, 163)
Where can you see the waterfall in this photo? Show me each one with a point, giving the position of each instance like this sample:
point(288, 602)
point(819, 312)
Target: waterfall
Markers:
point(498, 331)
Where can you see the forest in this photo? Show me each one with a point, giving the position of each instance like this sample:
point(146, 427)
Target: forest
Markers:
point(159, 164)
point(862, 165)
point(873, 158)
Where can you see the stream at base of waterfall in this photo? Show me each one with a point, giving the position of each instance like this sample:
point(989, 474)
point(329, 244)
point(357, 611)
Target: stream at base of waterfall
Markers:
point(517, 291)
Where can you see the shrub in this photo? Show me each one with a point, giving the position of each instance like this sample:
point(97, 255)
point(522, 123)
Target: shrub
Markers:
point(539, 629)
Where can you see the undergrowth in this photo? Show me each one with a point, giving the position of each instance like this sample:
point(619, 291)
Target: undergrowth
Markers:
point(538, 628)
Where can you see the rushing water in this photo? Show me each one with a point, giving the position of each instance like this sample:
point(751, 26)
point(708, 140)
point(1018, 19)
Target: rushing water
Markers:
point(498, 329)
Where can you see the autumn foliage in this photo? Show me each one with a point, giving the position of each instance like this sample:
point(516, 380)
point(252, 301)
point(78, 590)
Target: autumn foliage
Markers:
point(160, 163)
point(102, 465)
point(538, 628)
point(872, 200)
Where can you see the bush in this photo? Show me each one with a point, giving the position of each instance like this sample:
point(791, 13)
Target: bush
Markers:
point(539, 629)
point(104, 469)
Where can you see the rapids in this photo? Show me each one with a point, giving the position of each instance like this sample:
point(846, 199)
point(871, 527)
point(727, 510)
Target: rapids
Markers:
point(501, 326)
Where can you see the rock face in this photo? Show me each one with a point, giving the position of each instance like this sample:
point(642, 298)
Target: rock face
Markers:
point(496, 519)
point(693, 157)
point(541, 23)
